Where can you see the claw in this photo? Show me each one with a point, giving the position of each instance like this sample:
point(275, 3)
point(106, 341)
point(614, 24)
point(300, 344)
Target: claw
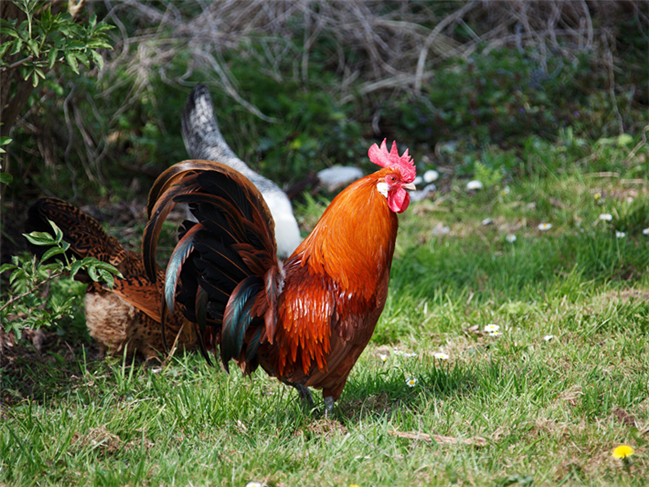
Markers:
point(329, 406)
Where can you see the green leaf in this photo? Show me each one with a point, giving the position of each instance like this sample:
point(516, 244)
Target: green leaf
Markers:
point(107, 277)
point(92, 21)
point(72, 61)
point(75, 267)
point(3, 48)
point(51, 57)
point(108, 267)
point(40, 238)
point(58, 233)
point(98, 59)
point(52, 252)
point(82, 58)
point(18, 44)
point(92, 272)
point(18, 273)
point(5, 140)
point(33, 45)
point(35, 78)
point(4, 177)
point(7, 267)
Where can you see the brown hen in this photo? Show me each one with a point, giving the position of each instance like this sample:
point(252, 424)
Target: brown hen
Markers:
point(126, 318)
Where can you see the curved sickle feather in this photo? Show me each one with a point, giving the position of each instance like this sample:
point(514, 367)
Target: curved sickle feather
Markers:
point(238, 315)
point(176, 261)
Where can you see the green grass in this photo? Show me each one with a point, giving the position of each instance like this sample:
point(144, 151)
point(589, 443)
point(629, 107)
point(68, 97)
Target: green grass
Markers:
point(525, 411)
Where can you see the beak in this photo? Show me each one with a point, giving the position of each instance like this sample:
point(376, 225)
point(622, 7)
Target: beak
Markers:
point(409, 186)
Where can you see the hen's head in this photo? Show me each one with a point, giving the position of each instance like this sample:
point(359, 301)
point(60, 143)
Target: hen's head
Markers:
point(400, 177)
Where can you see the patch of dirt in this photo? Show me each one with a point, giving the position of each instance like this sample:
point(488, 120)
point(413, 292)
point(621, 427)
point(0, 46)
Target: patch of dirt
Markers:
point(99, 438)
point(323, 427)
point(107, 442)
point(625, 418)
point(571, 395)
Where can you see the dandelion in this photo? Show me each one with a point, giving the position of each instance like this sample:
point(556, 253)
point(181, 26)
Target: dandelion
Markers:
point(491, 328)
point(511, 238)
point(441, 356)
point(354, 485)
point(597, 196)
point(383, 358)
point(645, 231)
point(547, 338)
point(544, 226)
point(606, 217)
point(412, 382)
point(431, 175)
point(622, 452)
point(474, 185)
point(487, 221)
point(619, 234)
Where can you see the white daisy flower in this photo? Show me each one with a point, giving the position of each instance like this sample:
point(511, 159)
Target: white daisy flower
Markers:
point(645, 231)
point(254, 484)
point(495, 334)
point(431, 175)
point(491, 327)
point(511, 238)
point(620, 234)
point(412, 382)
point(383, 358)
point(544, 226)
point(487, 221)
point(441, 356)
point(547, 338)
point(505, 191)
point(606, 217)
point(406, 354)
point(474, 185)
point(418, 180)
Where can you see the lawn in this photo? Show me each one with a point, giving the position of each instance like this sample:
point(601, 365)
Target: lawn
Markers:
point(513, 349)
point(435, 399)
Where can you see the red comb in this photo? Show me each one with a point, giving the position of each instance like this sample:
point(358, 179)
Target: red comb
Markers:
point(391, 159)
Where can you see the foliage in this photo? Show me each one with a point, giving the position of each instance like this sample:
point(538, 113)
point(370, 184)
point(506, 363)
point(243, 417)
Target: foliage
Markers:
point(24, 307)
point(44, 39)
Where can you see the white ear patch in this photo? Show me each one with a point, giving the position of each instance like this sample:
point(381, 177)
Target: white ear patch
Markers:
point(382, 187)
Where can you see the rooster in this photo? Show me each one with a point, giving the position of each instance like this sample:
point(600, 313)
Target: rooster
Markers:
point(305, 321)
point(127, 317)
point(203, 140)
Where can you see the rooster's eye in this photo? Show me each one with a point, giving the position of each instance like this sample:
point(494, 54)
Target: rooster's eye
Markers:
point(392, 179)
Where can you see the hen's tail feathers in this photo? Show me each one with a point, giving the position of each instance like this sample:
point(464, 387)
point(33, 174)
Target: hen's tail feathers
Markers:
point(88, 239)
point(203, 140)
point(225, 264)
point(201, 133)
point(82, 232)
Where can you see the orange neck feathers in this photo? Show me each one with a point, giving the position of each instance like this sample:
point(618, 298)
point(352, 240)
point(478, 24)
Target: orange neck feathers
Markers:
point(338, 271)
point(354, 240)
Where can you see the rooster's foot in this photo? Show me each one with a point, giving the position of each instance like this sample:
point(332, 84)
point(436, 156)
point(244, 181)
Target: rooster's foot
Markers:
point(305, 394)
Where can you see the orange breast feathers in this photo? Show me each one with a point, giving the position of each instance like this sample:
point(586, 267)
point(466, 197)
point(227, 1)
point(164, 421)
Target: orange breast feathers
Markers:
point(335, 274)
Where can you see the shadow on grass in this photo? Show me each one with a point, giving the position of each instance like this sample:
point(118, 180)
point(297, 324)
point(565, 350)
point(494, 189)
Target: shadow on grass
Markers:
point(385, 392)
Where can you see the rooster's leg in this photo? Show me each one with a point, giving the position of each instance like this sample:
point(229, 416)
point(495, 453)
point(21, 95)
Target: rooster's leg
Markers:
point(329, 405)
point(305, 393)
